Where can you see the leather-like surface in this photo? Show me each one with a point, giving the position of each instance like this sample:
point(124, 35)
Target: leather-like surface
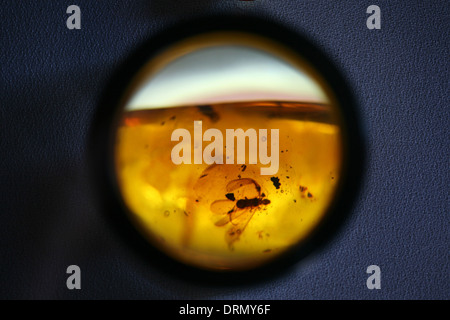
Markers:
point(51, 80)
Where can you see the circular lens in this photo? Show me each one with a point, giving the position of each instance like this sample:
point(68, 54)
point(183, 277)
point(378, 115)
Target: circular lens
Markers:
point(228, 149)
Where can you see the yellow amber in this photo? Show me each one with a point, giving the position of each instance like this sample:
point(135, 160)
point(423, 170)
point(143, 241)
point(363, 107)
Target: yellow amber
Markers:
point(228, 216)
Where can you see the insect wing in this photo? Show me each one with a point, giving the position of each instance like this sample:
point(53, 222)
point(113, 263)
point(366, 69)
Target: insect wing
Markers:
point(239, 222)
point(221, 209)
point(238, 183)
point(244, 188)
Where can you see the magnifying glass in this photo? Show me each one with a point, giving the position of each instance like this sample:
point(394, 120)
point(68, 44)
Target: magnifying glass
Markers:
point(232, 145)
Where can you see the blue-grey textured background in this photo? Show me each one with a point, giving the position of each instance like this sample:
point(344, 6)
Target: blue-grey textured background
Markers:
point(51, 80)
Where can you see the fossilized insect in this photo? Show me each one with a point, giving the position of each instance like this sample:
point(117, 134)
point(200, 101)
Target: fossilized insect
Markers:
point(244, 198)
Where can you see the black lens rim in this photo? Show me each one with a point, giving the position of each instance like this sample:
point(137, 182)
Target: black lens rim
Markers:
point(101, 140)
